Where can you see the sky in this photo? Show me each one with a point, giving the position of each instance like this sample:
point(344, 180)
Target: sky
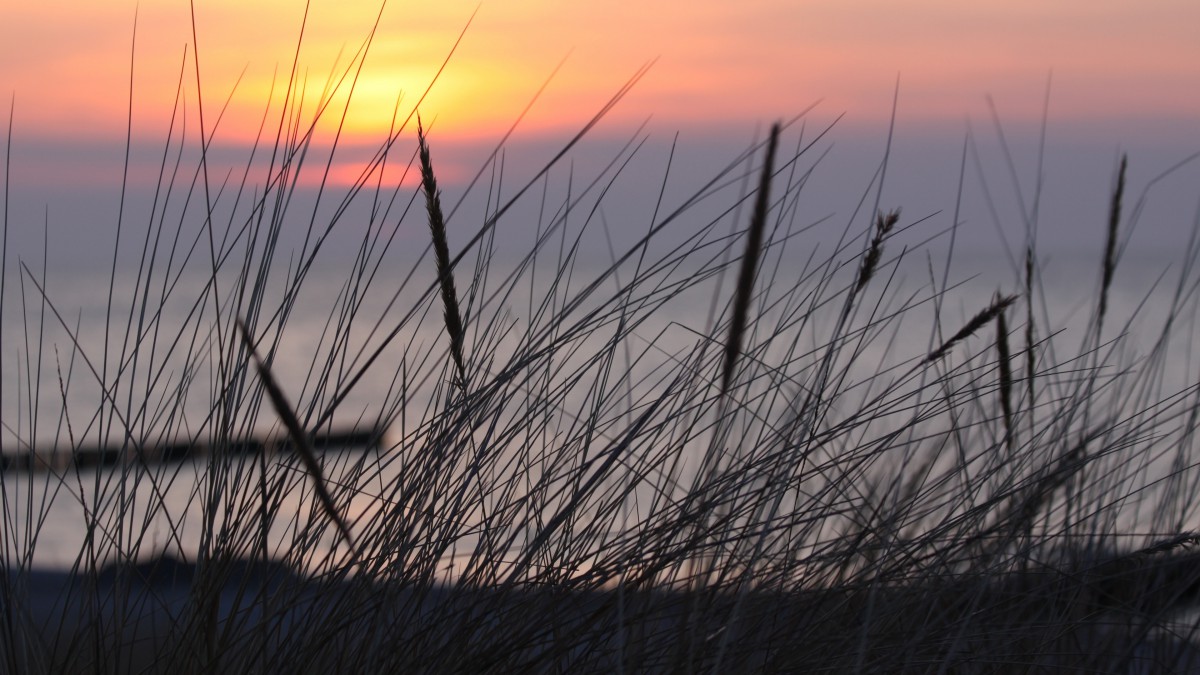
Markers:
point(1107, 75)
point(67, 63)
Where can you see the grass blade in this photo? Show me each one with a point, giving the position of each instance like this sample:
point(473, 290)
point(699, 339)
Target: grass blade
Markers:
point(1003, 355)
point(299, 440)
point(1110, 243)
point(745, 287)
point(985, 316)
point(441, 250)
point(883, 226)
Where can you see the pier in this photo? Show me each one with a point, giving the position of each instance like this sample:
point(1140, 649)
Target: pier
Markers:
point(113, 455)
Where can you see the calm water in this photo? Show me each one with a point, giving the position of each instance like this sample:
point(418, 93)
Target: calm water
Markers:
point(168, 384)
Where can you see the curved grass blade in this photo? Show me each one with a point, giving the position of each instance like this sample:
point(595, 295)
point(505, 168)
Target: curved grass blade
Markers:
point(299, 441)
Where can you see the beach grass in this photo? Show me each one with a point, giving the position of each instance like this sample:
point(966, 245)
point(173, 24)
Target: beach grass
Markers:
point(821, 475)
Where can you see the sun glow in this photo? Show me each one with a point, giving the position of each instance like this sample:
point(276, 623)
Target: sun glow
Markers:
point(69, 68)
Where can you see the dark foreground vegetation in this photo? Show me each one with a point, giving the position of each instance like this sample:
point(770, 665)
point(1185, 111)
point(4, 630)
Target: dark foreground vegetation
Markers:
point(831, 473)
point(1110, 617)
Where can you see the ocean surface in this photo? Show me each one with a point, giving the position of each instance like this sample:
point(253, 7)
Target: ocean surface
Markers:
point(350, 324)
point(168, 382)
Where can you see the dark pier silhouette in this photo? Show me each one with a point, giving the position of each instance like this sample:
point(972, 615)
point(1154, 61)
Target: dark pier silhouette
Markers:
point(94, 456)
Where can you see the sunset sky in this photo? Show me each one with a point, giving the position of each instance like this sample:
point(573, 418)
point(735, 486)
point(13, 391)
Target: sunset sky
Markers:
point(67, 62)
point(1121, 72)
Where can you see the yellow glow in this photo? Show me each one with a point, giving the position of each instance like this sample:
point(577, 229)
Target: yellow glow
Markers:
point(67, 62)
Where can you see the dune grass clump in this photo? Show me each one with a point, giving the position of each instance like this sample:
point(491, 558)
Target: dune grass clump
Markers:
point(811, 477)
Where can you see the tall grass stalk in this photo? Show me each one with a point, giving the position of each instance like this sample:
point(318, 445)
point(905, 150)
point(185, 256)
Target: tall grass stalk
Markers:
point(1003, 357)
point(298, 437)
point(1110, 243)
point(749, 266)
point(441, 251)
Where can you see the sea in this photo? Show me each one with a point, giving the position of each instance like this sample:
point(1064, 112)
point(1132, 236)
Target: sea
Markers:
point(142, 346)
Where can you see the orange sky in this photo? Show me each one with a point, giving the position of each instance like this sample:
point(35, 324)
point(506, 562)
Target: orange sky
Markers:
point(66, 62)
